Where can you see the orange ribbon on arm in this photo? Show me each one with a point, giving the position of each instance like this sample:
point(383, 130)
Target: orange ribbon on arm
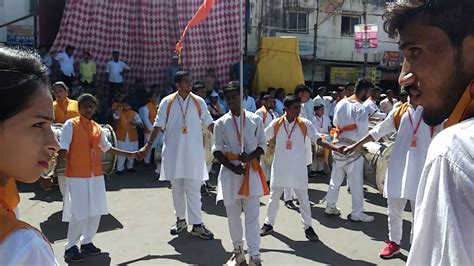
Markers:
point(245, 187)
point(337, 131)
point(200, 15)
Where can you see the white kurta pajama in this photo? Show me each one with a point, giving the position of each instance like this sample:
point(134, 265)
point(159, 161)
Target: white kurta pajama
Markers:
point(289, 167)
point(226, 139)
point(404, 165)
point(443, 226)
point(183, 157)
point(348, 112)
point(84, 197)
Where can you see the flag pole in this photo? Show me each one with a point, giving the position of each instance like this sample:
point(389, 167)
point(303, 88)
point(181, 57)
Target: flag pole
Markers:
point(241, 76)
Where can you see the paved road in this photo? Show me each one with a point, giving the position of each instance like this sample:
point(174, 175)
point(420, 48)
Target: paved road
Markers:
point(136, 231)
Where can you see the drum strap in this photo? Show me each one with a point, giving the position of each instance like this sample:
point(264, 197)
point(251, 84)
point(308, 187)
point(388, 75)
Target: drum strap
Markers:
point(398, 114)
point(255, 164)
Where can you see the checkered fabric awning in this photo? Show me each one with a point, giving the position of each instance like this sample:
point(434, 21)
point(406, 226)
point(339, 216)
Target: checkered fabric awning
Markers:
point(145, 32)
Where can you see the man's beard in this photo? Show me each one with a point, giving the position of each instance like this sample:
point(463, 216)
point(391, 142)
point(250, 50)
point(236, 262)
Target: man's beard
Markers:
point(451, 95)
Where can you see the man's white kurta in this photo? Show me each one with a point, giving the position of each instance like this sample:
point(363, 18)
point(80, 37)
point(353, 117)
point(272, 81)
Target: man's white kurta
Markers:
point(386, 106)
point(373, 109)
point(289, 166)
point(444, 216)
point(83, 197)
point(183, 155)
point(227, 140)
point(348, 112)
point(405, 163)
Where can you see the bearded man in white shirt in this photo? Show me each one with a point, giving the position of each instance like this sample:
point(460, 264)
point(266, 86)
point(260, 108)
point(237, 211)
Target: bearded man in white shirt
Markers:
point(437, 41)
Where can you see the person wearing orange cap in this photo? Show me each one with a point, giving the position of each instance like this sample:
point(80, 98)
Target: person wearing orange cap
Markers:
point(437, 41)
point(27, 145)
point(240, 187)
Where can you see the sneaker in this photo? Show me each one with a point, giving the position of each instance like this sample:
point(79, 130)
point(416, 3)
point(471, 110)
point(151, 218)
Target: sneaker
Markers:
point(255, 260)
point(131, 170)
point(266, 229)
point(201, 231)
point(290, 205)
point(90, 249)
point(238, 257)
point(73, 255)
point(332, 211)
point(390, 250)
point(178, 227)
point(362, 218)
point(311, 235)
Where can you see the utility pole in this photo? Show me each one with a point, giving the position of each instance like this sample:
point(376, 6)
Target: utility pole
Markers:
point(315, 44)
point(364, 17)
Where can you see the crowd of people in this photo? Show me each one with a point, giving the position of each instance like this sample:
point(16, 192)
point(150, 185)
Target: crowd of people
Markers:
point(430, 165)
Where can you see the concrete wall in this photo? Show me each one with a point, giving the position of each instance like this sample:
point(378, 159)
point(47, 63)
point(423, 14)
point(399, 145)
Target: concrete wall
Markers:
point(331, 45)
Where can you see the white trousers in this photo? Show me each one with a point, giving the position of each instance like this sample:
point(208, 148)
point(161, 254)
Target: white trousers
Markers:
point(62, 184)
point(355, 180)
point(126, 146)
point(83, 230)
point(289, 194)
point(250, 206)
point(395, 210)
point(274, 203)
point(187, 192)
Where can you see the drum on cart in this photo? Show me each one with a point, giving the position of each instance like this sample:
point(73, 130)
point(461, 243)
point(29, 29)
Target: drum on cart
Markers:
point(108, 160)
point(376, 163)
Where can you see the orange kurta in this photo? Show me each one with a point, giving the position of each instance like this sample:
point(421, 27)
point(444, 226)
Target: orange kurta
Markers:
point(84, 156)
point(65, 110)
point(124, 125)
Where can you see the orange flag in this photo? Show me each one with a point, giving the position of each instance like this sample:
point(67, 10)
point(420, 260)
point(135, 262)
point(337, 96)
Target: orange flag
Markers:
point(200, 15)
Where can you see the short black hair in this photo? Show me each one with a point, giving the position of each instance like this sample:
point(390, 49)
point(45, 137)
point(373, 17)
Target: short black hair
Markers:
point(301, 88)
point(115, 52)
point(363, 84)
point(199, 85)
point(271, 89)
point(70, 47)
point(322, 88)
point(86, 97)
point(319, 106)
point(455, 18)
point(180, 75)
point(150, 94)
point(290, 100)
point(350, 84)
point(21, 74)
point(232, 86)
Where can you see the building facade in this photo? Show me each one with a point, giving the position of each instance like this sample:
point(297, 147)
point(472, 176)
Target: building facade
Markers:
point(337, 60)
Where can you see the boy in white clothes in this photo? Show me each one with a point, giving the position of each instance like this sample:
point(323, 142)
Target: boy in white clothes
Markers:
point(404, 166)
point(323, 125)
point(289, 165)
point(180, 115)
point(240, 186)
point(371, 105)
point(352, 123)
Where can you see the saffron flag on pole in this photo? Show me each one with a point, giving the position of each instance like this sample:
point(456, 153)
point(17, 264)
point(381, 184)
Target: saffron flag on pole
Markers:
point(200, 15)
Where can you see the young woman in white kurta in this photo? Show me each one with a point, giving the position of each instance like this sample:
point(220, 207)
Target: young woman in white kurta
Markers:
point(27, 145)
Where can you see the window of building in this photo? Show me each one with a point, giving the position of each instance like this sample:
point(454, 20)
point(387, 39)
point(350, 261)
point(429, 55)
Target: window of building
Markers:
point(347, 25)
point(298, 21)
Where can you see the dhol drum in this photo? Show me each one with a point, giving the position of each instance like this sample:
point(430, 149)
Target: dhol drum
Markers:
point(376, 163)
point(108, 160)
